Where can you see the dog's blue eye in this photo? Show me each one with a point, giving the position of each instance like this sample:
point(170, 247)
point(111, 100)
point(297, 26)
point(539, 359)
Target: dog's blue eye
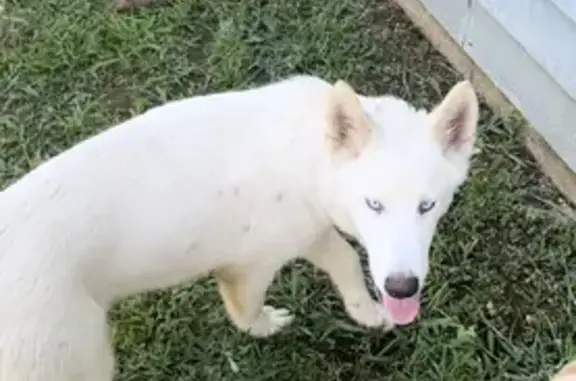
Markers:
point(426, 206)
point(375, 205)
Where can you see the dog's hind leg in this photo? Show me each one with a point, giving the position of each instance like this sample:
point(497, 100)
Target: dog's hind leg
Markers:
point(61, 340)
point(340, 261)
point(243, 290)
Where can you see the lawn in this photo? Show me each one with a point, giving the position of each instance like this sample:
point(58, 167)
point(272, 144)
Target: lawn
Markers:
point(500, 298)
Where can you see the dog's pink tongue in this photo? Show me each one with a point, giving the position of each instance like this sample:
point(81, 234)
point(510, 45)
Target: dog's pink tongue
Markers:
point(402, 311)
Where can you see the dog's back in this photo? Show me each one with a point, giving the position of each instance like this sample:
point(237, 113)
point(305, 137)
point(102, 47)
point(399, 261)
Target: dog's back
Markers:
point(133, 186)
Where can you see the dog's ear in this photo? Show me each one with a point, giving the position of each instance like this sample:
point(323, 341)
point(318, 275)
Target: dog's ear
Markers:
point(455, 120)
point(348, 126)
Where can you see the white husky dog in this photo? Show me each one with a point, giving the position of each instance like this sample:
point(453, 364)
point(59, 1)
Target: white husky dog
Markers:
point(234, 185)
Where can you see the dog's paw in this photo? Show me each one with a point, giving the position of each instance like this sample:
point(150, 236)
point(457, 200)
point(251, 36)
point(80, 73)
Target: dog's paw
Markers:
point(369, 314)
point(270, 321)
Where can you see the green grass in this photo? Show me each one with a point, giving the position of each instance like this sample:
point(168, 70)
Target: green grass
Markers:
point(500, 299)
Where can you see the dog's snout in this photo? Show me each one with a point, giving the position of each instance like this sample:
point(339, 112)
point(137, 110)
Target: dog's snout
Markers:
point(401, 286)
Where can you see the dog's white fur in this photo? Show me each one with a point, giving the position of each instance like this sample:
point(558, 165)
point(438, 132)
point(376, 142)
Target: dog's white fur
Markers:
point(235, 185)
point(566, 373)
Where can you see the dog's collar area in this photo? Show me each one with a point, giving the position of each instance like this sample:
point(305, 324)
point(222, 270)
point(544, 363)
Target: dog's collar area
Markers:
point(374, 291)
point(348, 237)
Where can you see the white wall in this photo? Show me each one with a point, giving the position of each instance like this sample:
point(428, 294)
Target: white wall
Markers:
point(528, 49)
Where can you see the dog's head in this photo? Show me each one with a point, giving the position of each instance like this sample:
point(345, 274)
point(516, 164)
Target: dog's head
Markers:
point(394, 171)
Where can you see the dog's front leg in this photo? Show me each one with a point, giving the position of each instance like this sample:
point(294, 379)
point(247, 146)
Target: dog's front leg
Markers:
point(340, 261)
point(243, 290)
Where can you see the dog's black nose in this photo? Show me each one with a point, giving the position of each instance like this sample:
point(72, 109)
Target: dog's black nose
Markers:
point(401, 286)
